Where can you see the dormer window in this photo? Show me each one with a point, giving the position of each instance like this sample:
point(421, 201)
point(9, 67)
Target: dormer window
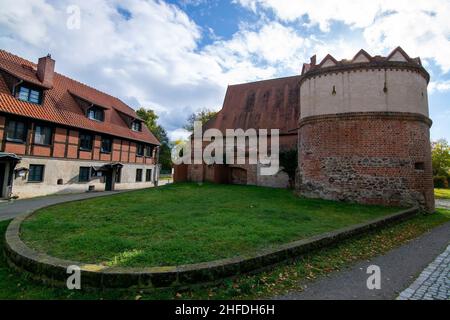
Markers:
point(95, 113)
point(29, 95)
point(136, 126)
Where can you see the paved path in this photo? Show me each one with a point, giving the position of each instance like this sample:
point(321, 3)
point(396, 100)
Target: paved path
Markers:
point(443, 203)
point(12, 209)
point(433, 283)
point(399, 267)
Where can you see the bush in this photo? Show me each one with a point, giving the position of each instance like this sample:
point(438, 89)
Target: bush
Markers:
point(440, 182)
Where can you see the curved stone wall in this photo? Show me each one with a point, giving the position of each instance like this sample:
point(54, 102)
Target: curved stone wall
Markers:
point(367, 157)
point(53, 270)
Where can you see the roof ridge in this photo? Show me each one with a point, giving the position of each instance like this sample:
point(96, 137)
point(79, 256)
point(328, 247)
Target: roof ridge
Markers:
point(71, 79)
point(265, 80)
point(18, 57)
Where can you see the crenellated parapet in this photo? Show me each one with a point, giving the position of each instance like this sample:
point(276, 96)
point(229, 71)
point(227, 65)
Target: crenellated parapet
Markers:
point(397, 59)
point(396, 83)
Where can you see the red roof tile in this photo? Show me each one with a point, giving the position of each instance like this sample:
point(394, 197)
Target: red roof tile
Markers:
point(59, 105)
point(269, 104)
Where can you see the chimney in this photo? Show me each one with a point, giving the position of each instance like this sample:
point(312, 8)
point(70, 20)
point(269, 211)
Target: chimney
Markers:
point(45, 70)
point(313, 60)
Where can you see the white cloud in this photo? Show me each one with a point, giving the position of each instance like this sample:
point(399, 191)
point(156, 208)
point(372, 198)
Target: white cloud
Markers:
point(263, 52)
point(421, 27)
point(152, 57)
point(439, 86)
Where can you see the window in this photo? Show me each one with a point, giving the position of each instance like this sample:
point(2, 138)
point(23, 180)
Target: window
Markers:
point(148, 175)
point(149, 151)
point(16, 131)
point(118, 175)
point(85, 174)
point(106, 145)
point(138, 175)
point(419, 166)
point(136, 126)
point(140, 150)
point(43, 135)
point(29, 95)
point(85, 141)
point(36, 173)
point(95, 113)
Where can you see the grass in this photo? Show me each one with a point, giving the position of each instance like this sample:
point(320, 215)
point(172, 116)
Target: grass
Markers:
point(442, 193)
point(184, 223)
point(265, 285)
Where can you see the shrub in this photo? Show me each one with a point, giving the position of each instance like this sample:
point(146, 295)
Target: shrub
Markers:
point(440, 182)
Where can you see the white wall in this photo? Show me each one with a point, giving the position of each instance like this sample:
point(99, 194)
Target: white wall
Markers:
point(362, 91)
point(68, 170)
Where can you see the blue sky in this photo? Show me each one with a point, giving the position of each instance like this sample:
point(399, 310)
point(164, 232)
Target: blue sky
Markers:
point(178, 56)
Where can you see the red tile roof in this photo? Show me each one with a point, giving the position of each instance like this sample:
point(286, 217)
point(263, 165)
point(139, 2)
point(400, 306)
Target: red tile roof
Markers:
point(268, 104)
point(59, 104)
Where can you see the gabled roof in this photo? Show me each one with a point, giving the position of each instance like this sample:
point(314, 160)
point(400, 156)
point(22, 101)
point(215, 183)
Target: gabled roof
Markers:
point(398, 58)
point(328, 61)
point(398, 54)
point(60, 106)
point(362, 54)
point(268, 104)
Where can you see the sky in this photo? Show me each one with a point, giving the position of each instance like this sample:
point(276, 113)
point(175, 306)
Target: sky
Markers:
point(177, 57)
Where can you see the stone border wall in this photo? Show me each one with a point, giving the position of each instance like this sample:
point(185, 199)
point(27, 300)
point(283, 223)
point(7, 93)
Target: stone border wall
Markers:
point(52, 270)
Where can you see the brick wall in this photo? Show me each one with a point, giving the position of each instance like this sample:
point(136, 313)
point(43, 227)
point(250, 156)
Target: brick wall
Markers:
point(65, 144)
point(373, 159)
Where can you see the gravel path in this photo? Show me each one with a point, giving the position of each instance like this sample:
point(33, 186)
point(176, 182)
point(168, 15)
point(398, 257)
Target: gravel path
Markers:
point(13, 208)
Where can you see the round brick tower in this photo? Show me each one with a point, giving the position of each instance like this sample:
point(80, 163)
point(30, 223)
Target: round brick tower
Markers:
point(364, 131)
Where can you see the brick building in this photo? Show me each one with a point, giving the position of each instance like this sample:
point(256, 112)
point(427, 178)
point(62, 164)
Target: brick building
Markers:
point(58, 135)
point(361, 128)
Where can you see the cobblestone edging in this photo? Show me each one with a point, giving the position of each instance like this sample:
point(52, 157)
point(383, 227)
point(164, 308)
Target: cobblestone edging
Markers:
point(54, 270)
point(433, 283)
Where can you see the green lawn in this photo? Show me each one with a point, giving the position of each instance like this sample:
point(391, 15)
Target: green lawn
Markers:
point(14, 285)
point(442, 193)
point(184, 223)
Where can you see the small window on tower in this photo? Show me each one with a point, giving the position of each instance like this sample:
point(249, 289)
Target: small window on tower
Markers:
point(419, 166)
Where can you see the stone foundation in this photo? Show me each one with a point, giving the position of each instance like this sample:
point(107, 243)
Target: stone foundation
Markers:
point(371, 158)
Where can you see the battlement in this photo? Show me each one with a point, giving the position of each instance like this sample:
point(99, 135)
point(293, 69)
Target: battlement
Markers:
point(397, 58)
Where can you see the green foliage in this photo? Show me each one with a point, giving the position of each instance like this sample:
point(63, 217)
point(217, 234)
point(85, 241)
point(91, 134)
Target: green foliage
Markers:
point(289, 163)
point(442, 193)
point(185, 223)
point(440, 153)
point(150, 118)
point(440, 182)
point(203, 116)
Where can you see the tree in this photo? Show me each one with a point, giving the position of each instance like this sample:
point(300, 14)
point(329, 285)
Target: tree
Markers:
point(289, 163)
point(203, 116)
point(440, 155)
point(150, 119)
